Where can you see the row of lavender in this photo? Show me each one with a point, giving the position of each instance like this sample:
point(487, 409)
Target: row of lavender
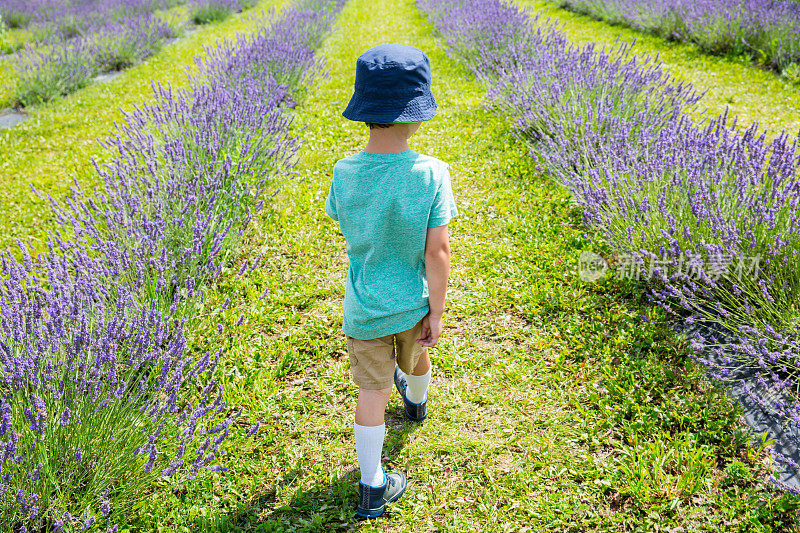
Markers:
point(74, 41)
point(766, 30)
point(709, 215)
point(68, 18)
point(100, 396)
point(71, 18)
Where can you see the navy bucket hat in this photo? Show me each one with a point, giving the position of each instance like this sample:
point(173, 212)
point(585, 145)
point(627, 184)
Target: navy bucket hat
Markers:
point(393, 84)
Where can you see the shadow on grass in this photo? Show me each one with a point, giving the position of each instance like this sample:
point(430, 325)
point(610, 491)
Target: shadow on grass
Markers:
point(323, 507)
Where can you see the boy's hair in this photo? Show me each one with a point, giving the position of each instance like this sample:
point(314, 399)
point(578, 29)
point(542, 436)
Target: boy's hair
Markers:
point(373, 125)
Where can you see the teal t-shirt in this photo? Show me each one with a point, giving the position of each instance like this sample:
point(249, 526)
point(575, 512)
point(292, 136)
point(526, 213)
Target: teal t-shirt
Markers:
point(385, 204)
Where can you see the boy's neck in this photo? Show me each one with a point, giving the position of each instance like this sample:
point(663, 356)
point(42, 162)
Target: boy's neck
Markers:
point(387, 140)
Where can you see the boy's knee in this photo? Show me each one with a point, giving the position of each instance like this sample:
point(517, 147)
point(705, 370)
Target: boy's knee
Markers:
point(375, 395)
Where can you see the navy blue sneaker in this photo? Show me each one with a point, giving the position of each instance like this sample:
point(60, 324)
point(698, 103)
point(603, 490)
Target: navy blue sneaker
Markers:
point(372, 500)
point(416, 412)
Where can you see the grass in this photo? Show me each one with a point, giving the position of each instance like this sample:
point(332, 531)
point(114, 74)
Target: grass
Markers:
point(57, 142)
point(6, 73)
point(555, 405)
point(752, 93)
point(12, 40)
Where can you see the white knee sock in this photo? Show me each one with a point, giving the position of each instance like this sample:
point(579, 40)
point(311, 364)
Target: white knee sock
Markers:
point(417, 389)
point(369, 446)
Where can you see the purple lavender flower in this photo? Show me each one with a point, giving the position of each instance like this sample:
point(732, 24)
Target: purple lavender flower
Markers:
point(88, 522)
point(253, 430)
point(35, 474)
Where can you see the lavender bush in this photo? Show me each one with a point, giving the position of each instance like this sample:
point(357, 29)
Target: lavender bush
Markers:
point(206, 11)
point(59, 67)
point(94, 395)
point(99, 394)
point(283, 53)
point(15, 13)
point(192, 168)
point(83, 19)
point(767, 30)
point(707, 214)
point(189, 175)
point(43, 73)
point(83, 39)
point(76, 41)
point(69, 18)
point(125, 43)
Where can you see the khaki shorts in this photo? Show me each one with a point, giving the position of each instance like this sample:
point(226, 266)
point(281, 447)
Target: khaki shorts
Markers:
point(372, 361)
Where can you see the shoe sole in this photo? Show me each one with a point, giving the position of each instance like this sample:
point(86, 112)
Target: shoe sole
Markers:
point(371, 515)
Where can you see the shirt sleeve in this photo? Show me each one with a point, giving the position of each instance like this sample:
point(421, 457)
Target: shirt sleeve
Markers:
point(330, 204)
point(444, 205)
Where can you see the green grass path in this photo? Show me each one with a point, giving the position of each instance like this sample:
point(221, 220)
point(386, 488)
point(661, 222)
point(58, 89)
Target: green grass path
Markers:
point(752, 93)
point(57, 141)
point(555, 405)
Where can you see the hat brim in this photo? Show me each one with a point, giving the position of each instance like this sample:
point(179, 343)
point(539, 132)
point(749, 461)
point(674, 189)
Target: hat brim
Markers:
point(389, 111)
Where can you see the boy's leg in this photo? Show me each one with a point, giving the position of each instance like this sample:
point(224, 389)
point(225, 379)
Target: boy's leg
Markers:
point(371, 406)
point(413, 372)
point(423, 364)
point(370, 429)
point(372, 362)
point(418, 381)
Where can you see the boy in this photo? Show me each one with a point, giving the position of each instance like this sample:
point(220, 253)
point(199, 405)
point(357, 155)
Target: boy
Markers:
point(393, 206)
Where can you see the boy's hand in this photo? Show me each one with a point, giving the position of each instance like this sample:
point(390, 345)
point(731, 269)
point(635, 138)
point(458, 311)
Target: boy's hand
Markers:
point(431, 331)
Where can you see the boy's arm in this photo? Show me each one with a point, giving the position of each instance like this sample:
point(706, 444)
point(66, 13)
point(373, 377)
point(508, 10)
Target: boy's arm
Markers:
point(330, 204)
point(437, 270)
